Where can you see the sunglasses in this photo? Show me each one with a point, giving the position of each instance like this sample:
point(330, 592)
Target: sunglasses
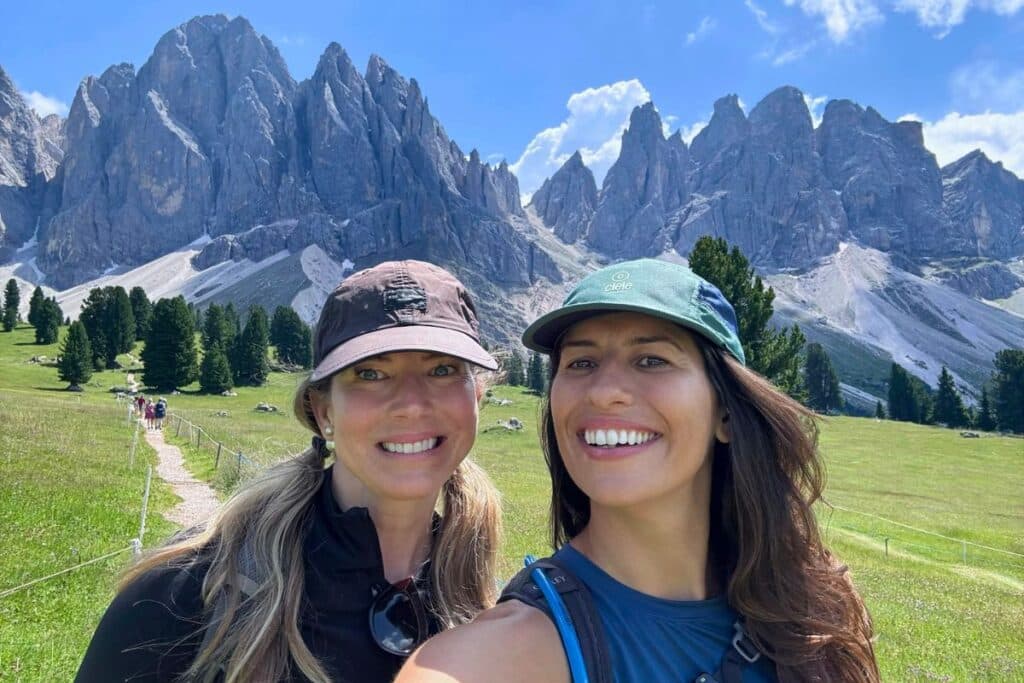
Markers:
point(398, 618)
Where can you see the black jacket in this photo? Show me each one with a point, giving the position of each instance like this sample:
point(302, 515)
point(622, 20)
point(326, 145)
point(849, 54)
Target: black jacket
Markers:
point(152, 630)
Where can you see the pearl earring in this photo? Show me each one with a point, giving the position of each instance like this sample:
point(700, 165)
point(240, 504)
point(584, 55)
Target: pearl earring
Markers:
point(328, 434)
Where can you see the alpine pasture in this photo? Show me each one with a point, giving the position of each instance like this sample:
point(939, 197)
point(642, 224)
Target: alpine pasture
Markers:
point(931, 524)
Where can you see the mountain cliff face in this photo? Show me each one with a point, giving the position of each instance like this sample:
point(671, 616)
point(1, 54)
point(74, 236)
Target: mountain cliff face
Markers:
point(212, 136)
point(788, 193)
point(567, 200)
point(212, 155)
point(30, 152)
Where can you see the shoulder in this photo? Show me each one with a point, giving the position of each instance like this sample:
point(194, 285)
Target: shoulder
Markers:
point(509, 642)
point(152, 627)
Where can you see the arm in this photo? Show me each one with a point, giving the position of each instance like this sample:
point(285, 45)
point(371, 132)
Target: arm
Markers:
point(508, 643)
point(150, 632)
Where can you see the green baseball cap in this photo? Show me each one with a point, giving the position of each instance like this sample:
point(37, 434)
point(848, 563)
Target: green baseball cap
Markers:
point(665, 290)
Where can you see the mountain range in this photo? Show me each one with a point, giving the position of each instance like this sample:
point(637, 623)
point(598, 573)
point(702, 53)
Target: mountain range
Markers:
point(213, 167)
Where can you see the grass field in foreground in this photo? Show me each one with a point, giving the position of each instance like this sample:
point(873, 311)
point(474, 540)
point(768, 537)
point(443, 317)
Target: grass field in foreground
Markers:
point(67, 495)
point(937, 619)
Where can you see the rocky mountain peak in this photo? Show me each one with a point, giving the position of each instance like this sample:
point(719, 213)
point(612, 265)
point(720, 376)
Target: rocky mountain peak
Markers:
point(567, 200)
point(728, 125)
point(783, 112)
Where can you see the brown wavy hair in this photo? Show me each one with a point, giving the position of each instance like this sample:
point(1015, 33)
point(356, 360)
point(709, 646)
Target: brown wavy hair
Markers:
point(798, 602)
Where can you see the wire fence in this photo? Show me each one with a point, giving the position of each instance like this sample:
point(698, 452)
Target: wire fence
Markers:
point(900, 540)
point(230, 464)
point(134, 544)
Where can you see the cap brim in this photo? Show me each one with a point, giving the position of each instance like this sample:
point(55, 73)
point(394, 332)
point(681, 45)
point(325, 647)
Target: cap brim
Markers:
point(404, 338)
point(543, 334)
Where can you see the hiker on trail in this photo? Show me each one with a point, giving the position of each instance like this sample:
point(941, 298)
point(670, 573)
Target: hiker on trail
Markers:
point(159, 412)
point(150, 413)
point(140, 404)
point(682, 491)
point(333, 565)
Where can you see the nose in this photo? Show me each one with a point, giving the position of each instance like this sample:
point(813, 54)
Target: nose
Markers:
point(609, 387)
point(411, 396)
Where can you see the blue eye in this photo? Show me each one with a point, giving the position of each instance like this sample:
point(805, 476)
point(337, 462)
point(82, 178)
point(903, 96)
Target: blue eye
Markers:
point(651, 362)
point(369, 374)
point(444, 370)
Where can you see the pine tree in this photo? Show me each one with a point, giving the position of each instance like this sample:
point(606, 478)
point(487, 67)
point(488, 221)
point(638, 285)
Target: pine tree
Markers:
point(215, 373)
point(985, 421)
point(771, 352)
point(535, 374)
point(821, 381)
point(142, 309)
point(1008, 392)
point(48, 317)
point(12, 300)
point(170, 352)
point(217, 329)
point(253, 368)
point(34, 304)
point(949, 407)
point(903, 404)
point(515, 376)
point(879, 410)
point(75, 366)
point(109, 320)
point(292, 337)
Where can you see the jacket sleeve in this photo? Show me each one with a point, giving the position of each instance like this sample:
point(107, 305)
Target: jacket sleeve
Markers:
point(150, 632)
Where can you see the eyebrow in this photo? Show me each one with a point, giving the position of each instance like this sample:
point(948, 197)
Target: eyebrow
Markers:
point(634, 341)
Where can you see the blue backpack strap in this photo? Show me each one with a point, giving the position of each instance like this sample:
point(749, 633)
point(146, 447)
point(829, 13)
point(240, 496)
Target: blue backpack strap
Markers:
point(550, 587)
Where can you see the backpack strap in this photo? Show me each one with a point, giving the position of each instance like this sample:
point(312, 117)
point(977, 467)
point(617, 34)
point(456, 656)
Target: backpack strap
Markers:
point(245, 579)
point(740, 654)
point(583, 621)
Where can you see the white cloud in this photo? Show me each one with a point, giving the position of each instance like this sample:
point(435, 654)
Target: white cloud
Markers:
point(791, 55)
point(814, 104)
point(690, 132)
point(999, 136)
point(766, 24)
point(292, 40)
point(983, 85)
point(596, 121)
point(945, 14)
point(707, 24)
point(842, 17)
point(44, 105)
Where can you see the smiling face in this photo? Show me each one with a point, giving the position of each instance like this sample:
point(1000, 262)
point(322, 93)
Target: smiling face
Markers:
point(402, 423)
point(635, 414)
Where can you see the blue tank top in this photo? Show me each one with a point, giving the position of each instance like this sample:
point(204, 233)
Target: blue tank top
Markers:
point(653, 640)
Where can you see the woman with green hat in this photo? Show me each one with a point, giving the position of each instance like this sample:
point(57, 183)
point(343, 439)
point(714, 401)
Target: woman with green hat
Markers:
point(686, 546)
point(333, 565)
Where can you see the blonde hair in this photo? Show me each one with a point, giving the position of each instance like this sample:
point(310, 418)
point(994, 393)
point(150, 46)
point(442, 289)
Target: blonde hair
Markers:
point(258, 636)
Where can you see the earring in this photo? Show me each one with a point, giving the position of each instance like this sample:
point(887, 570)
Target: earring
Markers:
point(328, 437)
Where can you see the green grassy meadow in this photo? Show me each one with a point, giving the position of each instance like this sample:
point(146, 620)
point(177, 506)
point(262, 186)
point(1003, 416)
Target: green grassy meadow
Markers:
point(67, 494)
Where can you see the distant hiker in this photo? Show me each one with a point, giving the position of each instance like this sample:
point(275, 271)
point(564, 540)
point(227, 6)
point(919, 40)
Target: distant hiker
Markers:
point(335, 573)
point(159, 411)
point(140, 405)
point(150, 414)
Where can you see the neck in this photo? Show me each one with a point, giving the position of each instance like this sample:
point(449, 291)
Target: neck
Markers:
point(659, 548)
point(403, 526)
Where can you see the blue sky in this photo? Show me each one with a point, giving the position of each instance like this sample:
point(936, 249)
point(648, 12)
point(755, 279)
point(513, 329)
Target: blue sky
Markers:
point(533, 81)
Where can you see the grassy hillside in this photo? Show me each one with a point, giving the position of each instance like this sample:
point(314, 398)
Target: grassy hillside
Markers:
point(938, 618)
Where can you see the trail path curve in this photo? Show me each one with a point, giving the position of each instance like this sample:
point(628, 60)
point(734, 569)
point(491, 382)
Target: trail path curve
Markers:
point(198, 501)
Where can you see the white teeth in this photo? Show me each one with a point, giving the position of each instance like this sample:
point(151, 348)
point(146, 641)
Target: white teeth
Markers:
point(413, 447)
point(616, 437)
